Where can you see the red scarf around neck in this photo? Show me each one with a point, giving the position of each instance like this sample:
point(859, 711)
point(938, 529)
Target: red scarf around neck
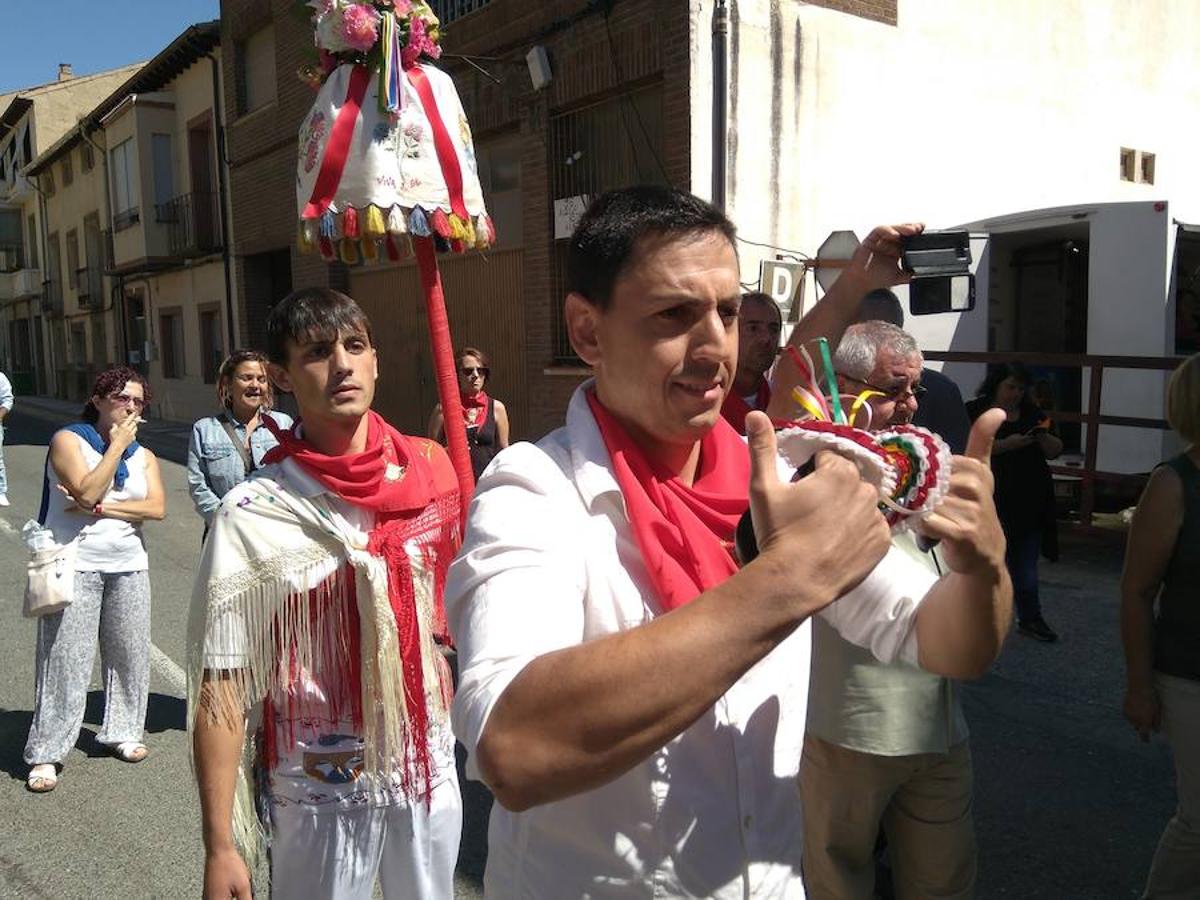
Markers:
point(735, 409)
point(480, 402)
point(685, 533)
point(386, 477)
point(410, 485)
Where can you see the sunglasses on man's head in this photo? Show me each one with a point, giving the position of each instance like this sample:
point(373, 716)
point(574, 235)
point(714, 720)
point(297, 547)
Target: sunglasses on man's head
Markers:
point(126, 399)
point(469, 371)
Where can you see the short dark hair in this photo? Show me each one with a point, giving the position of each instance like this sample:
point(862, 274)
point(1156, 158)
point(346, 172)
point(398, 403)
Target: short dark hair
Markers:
point(606, 239)
point(765, 299)
point(312, 314)
point(881, 305)
point(109, 382)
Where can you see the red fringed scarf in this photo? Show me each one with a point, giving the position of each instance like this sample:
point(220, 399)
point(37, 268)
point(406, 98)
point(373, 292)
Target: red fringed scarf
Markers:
point(685, 533)
point(410, 485)
point(735, 409)
point(480, 402)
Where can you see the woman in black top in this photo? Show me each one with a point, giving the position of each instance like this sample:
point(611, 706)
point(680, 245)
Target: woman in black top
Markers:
point(485, 417)
point(1024, 490)
point(1162, 654)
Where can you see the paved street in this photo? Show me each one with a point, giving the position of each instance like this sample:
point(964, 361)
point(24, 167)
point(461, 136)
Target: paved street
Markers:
point(1069, 804)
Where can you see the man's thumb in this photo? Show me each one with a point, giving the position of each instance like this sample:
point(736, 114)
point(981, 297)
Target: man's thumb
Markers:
point(983, 435)
point(761, 437)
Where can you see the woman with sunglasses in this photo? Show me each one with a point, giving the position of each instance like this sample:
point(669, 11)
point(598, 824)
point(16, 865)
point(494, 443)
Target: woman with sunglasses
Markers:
point(100, 485)
point(485, 417)
point(227, 447)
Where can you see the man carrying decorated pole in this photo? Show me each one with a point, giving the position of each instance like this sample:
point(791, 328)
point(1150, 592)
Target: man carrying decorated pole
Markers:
point(316, 687)
point(387, 166)
point(636, 701)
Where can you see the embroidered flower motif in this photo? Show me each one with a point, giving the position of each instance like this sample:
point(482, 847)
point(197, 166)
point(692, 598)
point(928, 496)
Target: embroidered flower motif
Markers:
point(312, 139)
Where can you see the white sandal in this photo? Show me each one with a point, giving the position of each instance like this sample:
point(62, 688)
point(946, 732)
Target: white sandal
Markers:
point(131, 751)
point(43, 778)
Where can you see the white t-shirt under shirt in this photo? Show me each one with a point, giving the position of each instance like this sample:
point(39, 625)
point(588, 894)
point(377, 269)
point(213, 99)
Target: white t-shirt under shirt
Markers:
point(320, 751)
point(105, 544)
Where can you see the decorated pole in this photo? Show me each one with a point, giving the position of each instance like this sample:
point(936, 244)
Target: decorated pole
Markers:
point(387, 166)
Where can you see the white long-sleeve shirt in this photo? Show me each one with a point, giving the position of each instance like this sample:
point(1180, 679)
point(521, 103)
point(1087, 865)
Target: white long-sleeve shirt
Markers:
point(549, 562)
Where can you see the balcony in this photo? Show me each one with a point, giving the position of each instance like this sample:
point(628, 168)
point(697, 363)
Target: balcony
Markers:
point(15, 189)
point(193, 223)
point(20, 285)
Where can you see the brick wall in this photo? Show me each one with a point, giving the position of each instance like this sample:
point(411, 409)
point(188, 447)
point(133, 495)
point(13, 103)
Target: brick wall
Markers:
point(876, 10)
point(651, 39)
point(262, 156)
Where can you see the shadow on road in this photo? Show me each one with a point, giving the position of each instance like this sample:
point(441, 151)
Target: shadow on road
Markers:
point(163, 713)
point(14, 728)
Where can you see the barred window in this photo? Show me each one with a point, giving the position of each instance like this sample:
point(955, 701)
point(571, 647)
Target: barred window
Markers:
point(611, 144)
point(449, 10)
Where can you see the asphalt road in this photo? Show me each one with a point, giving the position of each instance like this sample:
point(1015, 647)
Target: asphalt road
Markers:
point(1068, 803)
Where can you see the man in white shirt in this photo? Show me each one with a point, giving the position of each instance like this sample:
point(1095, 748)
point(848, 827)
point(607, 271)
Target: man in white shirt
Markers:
point(634, 701)
point(315, 618)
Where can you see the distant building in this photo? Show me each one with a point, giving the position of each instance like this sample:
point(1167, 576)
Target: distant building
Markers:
point(137, 231)
point(31, 120)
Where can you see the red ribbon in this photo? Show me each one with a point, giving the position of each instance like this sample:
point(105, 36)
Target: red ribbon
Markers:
point(333, 163)
point(442, 144)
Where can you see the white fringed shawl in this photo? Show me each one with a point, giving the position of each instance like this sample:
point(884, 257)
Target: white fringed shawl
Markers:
point(269, 556)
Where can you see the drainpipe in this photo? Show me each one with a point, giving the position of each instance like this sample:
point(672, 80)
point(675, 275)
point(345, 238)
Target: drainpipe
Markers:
point(51, 370)
point(720, 64)
point(222, 195)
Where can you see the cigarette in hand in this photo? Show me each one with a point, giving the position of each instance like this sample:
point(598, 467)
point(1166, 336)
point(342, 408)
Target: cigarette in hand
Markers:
point(141, 421)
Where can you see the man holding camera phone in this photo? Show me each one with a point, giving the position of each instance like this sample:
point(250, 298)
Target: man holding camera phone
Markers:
point(634, 700)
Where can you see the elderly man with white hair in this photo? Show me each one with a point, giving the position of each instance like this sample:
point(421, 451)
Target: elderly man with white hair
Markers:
point(886, 743)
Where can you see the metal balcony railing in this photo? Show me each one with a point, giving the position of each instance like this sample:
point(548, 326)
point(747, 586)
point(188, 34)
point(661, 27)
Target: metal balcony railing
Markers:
point(193, 223)
point(449, 10)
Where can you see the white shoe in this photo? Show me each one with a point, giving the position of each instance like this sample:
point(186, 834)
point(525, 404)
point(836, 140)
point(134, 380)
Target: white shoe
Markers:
point(3, 499)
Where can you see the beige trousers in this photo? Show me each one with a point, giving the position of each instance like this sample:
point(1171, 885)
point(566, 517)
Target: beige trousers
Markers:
point(922, 801)
point(1175, 872)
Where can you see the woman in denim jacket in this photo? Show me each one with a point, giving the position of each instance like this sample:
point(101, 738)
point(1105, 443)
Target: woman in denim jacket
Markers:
point(215, 463)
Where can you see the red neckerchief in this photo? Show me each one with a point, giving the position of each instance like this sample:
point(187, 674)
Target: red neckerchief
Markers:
point(685, 533)
point(735, 409)
point(480, 402)
point(410, 485)
point(386, 477)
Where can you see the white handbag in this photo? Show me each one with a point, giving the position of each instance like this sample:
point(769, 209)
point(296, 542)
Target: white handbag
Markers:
point(50, 586)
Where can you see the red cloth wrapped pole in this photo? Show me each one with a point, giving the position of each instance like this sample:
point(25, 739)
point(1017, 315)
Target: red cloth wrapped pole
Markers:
point(445, 368)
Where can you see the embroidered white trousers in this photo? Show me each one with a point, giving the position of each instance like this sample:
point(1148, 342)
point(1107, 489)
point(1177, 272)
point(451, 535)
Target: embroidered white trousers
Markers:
point(338, 855)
